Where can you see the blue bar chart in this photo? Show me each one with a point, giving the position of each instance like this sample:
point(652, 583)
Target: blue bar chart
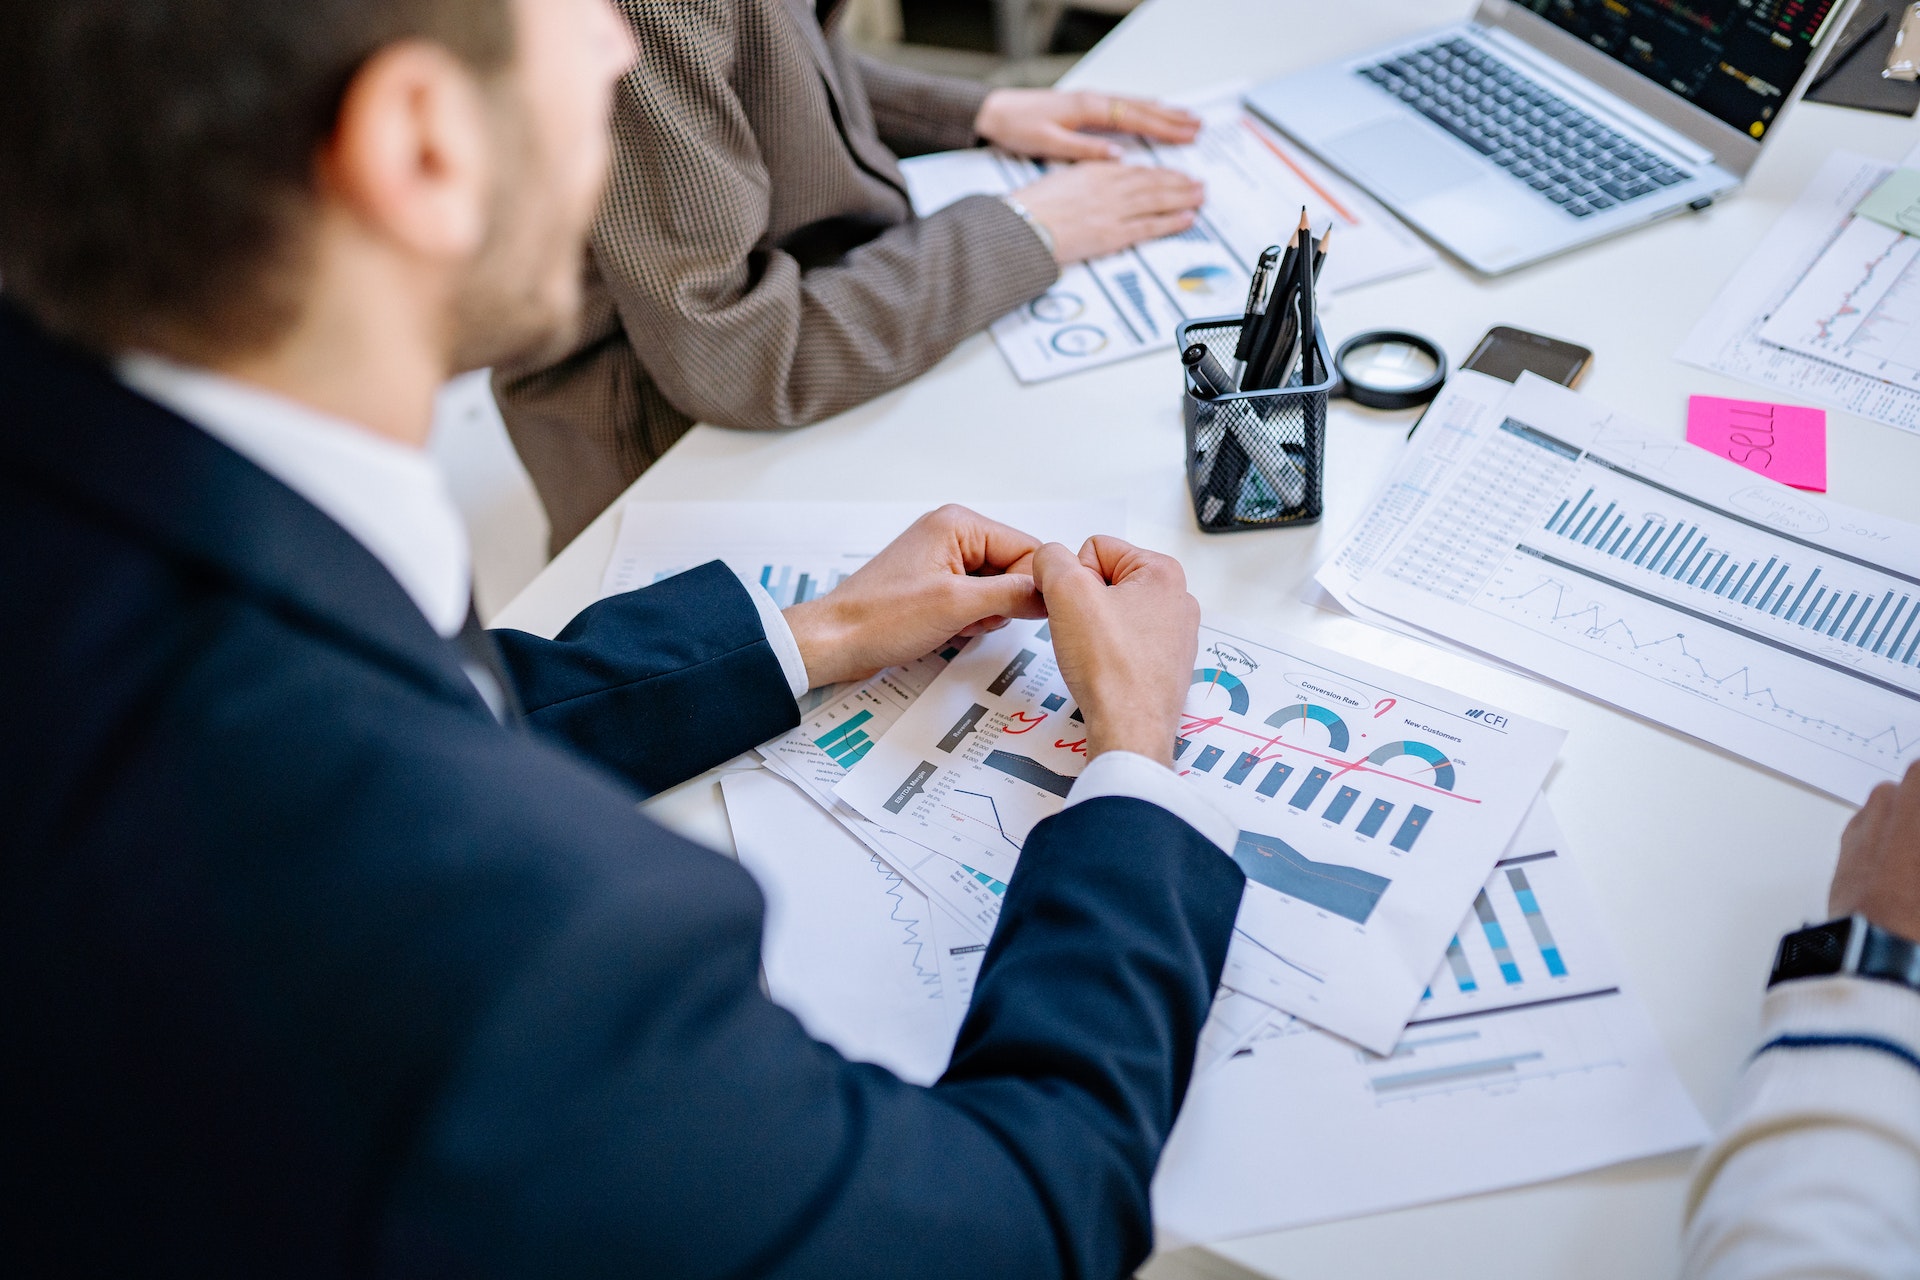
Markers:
point(1276, 778)
point(1309, 791)
point(1209, 756)
point(847, 742)
point(1824, 594)
point(1462, 970)
point(1497, 939)
point(1342, 804)
point(1536, 921)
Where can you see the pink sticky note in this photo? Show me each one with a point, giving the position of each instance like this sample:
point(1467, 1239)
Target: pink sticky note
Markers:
point(1783, 442)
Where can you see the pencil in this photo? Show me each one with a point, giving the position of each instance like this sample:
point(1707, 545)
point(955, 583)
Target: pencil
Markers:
point(1270, 338)
point(1309, 330)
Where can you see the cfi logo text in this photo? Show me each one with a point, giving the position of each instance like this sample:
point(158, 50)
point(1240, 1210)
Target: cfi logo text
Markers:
point(1489, 718)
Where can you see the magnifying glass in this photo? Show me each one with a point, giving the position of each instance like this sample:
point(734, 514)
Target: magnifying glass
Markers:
point(1389, 369)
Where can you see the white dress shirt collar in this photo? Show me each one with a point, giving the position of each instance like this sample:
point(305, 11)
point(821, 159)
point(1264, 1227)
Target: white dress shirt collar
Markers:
point(390, 498)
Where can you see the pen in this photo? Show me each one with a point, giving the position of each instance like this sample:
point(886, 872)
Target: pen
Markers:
point(1256, 300)
point(1269, 338)
point(1210, 381)
point(1840, 56)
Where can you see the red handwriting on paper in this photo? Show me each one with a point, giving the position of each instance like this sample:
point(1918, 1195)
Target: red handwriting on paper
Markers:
point(1078, 748)
point(1027, 723)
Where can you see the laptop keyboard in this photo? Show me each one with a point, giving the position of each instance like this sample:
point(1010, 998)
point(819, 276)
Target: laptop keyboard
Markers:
point(1541, 139)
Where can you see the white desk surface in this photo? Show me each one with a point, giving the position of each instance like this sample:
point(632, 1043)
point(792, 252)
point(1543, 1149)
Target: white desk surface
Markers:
point(1699, 860)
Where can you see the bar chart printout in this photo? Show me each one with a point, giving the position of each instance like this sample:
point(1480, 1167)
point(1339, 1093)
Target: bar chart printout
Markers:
point(1370, 806)
point(1481, 1058)
point(1658, 577)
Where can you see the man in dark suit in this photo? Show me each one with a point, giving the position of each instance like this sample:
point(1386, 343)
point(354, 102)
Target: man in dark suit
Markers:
point(331, 940)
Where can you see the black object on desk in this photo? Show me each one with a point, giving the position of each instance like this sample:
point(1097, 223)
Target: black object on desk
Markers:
point(1857, 82)
point(1253, 457)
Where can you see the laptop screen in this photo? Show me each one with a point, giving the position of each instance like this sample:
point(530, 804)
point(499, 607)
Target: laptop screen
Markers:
point(1737, 59)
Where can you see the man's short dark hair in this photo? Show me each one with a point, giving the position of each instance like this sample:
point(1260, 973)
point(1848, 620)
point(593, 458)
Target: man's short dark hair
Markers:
point(157, 156)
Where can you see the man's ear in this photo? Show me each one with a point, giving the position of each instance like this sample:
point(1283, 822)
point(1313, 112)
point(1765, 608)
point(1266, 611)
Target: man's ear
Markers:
point(410, 157)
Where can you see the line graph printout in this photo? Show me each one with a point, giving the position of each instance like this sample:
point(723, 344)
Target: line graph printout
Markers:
point(1370, 806)
point(1130, 303)
point(851, 949)
point(1731, 338)
point(1858, 306)
point(838, 735)
point(1770, 622)
point(1496, 1082)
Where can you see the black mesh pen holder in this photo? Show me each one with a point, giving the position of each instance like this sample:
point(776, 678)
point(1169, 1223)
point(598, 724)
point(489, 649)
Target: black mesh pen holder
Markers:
point(1254, 458)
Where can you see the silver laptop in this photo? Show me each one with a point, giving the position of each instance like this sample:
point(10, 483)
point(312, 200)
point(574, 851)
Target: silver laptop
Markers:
point(1540, 125)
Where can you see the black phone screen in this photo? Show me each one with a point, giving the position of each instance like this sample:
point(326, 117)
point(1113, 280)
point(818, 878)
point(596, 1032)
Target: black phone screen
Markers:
point(1506, 353)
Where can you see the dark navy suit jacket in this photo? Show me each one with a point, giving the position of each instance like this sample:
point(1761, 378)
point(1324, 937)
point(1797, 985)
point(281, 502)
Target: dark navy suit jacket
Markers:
point(308, 967)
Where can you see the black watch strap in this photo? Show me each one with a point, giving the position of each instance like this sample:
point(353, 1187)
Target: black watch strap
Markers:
point(1852, 946)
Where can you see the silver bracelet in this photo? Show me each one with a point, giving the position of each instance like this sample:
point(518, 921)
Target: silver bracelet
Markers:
point(1026, 216)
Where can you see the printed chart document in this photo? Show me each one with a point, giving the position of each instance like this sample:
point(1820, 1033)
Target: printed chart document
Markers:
point(1562, 538)
point(838, 735)
point(1129, 304)
point(1858, 306)
point(1370, 805)
point(1526, 1061)
point(851, 949)
point(1826, 308)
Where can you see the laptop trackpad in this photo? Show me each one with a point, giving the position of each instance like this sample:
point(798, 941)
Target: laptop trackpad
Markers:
point(1398, 159)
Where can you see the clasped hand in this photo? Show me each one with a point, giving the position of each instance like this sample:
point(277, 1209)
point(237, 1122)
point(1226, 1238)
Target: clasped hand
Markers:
point(1124, 627)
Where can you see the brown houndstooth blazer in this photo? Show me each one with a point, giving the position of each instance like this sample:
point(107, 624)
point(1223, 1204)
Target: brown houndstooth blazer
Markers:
point(757, 264)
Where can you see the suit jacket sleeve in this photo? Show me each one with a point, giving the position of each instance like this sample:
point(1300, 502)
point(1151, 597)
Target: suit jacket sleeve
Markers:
point(636, 1107)
point(659, 684)
point(733, 330)
point(916, 113)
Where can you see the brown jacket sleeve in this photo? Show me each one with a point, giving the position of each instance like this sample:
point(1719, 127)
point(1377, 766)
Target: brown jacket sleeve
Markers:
point(715, 303)
point(916, 113)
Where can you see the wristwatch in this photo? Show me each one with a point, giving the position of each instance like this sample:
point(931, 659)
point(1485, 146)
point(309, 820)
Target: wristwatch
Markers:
point(1851, 946)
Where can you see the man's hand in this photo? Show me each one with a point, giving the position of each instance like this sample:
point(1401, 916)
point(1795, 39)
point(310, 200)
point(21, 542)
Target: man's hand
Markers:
point(954, 573)
point(1093, 210)
point(1048, 125)
point(1125, 632)
point(1879, 873)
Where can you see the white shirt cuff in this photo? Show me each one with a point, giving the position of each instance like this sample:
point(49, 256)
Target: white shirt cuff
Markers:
point(1122, 773)
point(779, 635)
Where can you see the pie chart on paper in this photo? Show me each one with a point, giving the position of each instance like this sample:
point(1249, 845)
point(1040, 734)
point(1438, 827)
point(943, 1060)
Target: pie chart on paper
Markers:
point(1204, 281)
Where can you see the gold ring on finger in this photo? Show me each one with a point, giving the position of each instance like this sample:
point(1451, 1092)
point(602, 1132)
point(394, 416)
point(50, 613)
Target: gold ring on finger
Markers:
point(1116, 111)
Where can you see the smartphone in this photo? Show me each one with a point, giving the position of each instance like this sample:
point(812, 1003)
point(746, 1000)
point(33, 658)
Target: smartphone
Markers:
point(1506, 353)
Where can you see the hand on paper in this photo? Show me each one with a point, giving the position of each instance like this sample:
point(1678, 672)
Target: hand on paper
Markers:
point(1100, 208)
point(1047, 124)
point(1879, 872)
point(953, 573)
point(1124, 633)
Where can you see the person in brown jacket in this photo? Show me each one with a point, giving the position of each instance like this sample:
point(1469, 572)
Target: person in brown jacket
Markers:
point(757, 263)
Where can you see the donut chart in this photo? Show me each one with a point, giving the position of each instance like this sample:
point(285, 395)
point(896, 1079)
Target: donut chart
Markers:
point(1338, 737)
point(1238, 699)
point(1442, 767)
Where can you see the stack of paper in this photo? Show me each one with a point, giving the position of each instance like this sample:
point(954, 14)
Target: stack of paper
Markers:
point(1413, 960)
point(1826, 308)
point(1535, 525)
